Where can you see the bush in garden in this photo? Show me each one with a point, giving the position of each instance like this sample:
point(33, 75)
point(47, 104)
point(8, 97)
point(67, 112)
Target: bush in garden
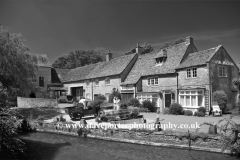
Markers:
point(62, 99)
point(221, 98)
point(202, 109)
point(123, 105)
point(134, 102)
point(176, 109)
point(101, 97)
point(166, 111)
point(151, 106)
point(199, 114)
point(141, 109)
point(188, 113)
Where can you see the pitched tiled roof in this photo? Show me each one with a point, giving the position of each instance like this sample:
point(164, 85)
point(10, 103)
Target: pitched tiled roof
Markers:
point(61, 73)
point(198, 58)
point(101, 69)
point(146, 65)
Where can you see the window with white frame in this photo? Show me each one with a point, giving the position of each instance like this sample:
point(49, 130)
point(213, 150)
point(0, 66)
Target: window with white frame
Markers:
point(153, 81)
point(96, 82)
point(150, 97)
point(191, 72)
point(191, 98)
point(222, 71)
point(107, 81)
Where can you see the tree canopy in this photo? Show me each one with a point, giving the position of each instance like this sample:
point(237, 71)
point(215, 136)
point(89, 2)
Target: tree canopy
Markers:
point(17, 64)
point(78, 58)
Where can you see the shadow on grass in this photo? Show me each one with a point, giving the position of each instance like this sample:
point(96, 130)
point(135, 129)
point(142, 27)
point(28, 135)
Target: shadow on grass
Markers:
point(36, 150)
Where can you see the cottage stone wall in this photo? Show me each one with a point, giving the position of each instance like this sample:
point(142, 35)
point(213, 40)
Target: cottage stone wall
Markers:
point(42, 92)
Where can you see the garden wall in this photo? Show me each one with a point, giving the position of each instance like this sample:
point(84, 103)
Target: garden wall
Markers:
point(23, 102)
point(158, 138)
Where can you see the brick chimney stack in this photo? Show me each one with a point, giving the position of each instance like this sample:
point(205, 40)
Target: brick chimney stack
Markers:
point(139, 49)
point(109, 56)
point(189, 40)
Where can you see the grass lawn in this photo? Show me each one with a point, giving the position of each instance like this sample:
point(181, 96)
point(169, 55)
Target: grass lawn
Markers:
point(174, 119)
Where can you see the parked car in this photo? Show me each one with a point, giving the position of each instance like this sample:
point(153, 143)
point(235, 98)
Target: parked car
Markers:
point(216, 110)
point(81, 110)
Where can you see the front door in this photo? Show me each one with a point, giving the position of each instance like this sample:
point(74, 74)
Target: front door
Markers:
point(167, 100)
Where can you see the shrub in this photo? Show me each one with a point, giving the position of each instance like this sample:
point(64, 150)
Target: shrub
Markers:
point(166, 111)
point(123, 105)
point(62, 99)
point(141, 109)
point(96, 103)
point(151, 106)
point(176, 109)
point(202, 109)
point(101, 97)
point(199, 114)
point(134, 102)
point(221, 98)
point(188, 113)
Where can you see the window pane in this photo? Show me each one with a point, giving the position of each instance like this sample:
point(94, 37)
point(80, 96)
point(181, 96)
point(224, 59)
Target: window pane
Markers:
point(187, 100)
point(220, 71)
point(182, 100)
point(154, 95)
point(181, 92)
point(194, 72)
point(224, 72)
point(148, 81)
point(194, 101)
point(188, 73)
point(199, 92)
point(156, 80)
point(193, 92)
point(200, 100)
point(187, 92)
point(152, 81)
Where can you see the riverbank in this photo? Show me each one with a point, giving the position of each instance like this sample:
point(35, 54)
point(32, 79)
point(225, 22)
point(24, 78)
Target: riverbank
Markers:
point(194, 141)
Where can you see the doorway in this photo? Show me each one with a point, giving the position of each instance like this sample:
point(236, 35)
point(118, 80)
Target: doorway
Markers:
point(167, 100)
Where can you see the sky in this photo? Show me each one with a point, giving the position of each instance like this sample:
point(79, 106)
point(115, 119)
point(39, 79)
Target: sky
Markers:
point(55, 27)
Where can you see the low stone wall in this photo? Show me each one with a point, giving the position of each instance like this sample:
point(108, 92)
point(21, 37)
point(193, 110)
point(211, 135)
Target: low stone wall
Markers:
point(209, 143)
point(23, 102)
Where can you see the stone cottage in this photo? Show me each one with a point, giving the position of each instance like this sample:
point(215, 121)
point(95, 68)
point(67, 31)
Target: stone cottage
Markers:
point(179, 73)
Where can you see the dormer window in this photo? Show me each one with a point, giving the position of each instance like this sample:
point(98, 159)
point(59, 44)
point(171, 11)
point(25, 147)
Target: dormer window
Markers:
point(160, 60)
point(161, 57)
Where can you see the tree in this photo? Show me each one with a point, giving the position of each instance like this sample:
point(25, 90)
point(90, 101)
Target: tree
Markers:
point(236, 82)
point(17, 64)
point(146, 48)
point(8, 141)
point(78, 58)
point(221, 98)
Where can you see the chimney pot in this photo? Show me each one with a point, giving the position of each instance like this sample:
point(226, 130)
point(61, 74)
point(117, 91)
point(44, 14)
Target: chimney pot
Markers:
point(109, 56)
point(138, 49)
point(189, 39)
